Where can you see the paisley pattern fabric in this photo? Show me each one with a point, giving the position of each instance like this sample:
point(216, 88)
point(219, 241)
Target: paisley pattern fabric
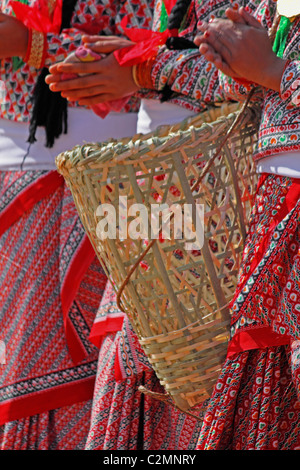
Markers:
point(269, 276)
point(255, 403)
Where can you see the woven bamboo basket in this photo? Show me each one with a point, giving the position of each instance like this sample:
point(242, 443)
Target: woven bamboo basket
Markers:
point(175, 296)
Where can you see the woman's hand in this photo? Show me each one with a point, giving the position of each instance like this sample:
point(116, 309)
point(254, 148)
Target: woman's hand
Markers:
point(13, 37)
point(100, 81)
point(240, 47)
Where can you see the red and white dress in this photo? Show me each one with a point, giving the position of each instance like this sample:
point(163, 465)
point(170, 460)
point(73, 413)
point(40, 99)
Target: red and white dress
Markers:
point(255, 404)
point(51, 284)
point(123, 418)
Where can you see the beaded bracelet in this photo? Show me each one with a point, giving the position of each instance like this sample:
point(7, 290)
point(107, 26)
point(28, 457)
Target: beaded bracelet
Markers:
point(36, 49)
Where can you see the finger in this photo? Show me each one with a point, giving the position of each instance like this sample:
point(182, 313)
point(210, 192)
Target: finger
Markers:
point(250, 20)
point(53, 68)
point(108, 46)
point(80, 67)
point(79, 83)
point(215, 58)
point(103, 47)
point(209, 53)
point(199, 39)
point(204, 48)
point(95, 38)
point(219, 42)
point(235, 16)
point(224, 67)
point(202, 26)
point(53, 78)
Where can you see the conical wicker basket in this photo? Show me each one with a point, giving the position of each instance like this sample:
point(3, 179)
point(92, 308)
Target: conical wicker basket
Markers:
point(175, 295)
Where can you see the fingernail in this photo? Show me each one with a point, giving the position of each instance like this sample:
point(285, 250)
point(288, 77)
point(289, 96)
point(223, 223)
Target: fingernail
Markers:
point(206, 34)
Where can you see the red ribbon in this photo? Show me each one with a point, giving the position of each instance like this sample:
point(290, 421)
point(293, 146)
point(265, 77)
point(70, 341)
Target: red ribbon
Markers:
point(146, 43)
point(38, 16)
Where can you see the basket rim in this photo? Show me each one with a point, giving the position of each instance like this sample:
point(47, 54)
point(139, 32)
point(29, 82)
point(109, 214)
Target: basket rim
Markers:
point(113, 152)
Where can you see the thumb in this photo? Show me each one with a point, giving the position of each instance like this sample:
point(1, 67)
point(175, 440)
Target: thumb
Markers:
point(102, 47)
point(105, 45)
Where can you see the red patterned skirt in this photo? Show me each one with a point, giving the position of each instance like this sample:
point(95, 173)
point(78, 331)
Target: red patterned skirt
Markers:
point(122, 417)
point(51, 286)
point(57, 391)
point(255, 404)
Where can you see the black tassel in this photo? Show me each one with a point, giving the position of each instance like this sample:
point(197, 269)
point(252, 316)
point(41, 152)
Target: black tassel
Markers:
point(180, 43)
point(166, 93)
point(50, 110)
